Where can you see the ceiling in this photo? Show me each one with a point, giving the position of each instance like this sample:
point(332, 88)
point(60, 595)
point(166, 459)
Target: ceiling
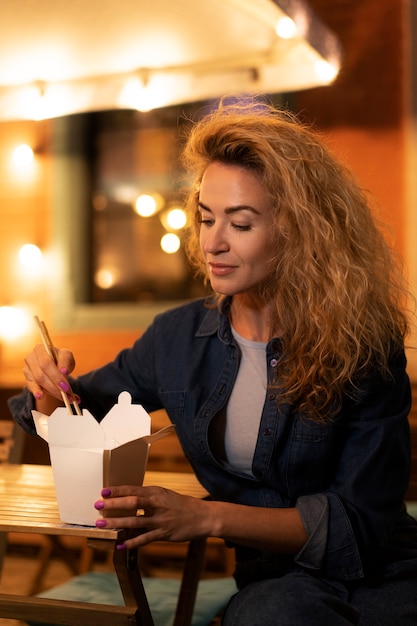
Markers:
point(59, 57)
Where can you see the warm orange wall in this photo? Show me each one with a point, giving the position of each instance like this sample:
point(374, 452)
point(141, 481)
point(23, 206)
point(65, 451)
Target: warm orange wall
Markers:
point(366, 108)
point(25, 211)
point(378, 158)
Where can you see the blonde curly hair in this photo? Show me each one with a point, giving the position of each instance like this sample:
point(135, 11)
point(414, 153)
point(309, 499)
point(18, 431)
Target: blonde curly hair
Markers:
point(337, 291)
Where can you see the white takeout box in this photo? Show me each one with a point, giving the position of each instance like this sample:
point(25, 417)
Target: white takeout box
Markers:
point(87, 455)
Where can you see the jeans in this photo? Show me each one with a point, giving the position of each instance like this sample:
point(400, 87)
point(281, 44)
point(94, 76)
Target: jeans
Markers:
point(300, 599)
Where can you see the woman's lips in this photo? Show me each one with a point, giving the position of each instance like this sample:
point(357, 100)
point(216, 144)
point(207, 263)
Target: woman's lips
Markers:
point(221, 269)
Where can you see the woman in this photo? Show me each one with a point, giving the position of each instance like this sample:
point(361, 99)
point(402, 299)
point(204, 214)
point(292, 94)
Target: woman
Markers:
point(288, 388)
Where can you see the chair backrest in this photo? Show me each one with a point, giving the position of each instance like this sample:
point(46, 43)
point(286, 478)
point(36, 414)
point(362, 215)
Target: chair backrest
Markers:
point(6, 440)
point(11, 448)
point(11, 442)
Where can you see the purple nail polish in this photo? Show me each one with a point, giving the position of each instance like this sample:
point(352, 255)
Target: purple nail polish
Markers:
point(64, 386)
point(99, 505)
point(63, 370)
point(101, 523)
point(38, 395)
point(121, 546)
point(106, 492)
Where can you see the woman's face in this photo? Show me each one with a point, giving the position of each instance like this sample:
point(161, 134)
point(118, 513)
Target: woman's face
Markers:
point(236, 220)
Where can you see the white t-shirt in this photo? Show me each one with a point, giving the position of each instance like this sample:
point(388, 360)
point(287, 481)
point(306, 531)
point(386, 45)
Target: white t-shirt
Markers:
point(244, 409)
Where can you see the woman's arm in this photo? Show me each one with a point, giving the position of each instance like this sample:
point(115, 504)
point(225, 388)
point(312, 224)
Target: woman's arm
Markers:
point(97, 390)
point(366, 494)
point(168, 516)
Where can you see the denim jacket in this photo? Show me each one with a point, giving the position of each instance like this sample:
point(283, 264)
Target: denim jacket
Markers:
point(347, 478)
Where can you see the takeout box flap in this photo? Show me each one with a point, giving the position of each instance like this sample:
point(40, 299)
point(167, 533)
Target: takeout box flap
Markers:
point(121, 463)
point(123, 423)
point(160, 434)
point(126, 464)
point(70, 431)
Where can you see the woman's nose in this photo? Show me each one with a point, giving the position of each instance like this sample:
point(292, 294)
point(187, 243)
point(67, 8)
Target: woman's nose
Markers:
point(215, 241)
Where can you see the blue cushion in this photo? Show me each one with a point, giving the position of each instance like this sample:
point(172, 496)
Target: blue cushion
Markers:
point(412, 509)
point(162, 593)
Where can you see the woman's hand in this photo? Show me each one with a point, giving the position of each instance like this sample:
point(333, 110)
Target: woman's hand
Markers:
point(161, 514)
point(44, 379)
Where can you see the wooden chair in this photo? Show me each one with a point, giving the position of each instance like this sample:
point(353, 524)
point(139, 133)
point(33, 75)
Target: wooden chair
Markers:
point(11, 442)
point(191, 601)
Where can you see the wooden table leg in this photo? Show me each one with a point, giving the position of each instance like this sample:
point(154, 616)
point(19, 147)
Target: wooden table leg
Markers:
point(193, 568)
point(126, 566)
point(125, 563)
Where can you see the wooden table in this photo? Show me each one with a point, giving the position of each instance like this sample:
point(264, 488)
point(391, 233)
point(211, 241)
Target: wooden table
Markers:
point(28, 505)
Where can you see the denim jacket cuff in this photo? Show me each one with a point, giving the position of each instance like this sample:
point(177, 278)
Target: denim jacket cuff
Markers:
point(21, 407)
point(314, 512)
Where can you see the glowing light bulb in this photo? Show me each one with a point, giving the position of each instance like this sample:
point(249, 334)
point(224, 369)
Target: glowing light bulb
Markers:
point(30, 256)
point(23, 155)
point(145, 205)
point(145, 101)
point(325, 71)
point(286, 28)
point(170, 243)
point(176, 219)
point(14, 322)
point(104, 278)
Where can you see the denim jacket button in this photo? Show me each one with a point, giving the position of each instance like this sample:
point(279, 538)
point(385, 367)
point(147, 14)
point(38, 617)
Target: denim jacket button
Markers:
point(267, 431)
point(273, 362)
point(271, 396)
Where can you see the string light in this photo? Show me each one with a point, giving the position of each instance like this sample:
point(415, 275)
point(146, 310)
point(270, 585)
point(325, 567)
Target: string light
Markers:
point(286, 28)
point(325, 71)
point(147, 205)
point(30, 256)
point(105, 278)
point(176, 218)
point(14, 322)
point(23, 155)
point(170, 243)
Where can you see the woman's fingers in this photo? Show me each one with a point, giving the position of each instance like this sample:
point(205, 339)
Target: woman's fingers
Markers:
point(130, 515)
point(160, 513)
point(44, 376)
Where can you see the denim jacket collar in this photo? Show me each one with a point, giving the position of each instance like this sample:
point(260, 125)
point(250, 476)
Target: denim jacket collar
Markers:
point(217, 321)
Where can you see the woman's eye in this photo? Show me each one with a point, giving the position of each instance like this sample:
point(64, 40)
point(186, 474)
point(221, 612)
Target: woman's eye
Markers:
point(205, 221)
point(242, 227)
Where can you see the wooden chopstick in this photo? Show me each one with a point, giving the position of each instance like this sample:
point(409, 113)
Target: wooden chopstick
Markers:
point(51, 350)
